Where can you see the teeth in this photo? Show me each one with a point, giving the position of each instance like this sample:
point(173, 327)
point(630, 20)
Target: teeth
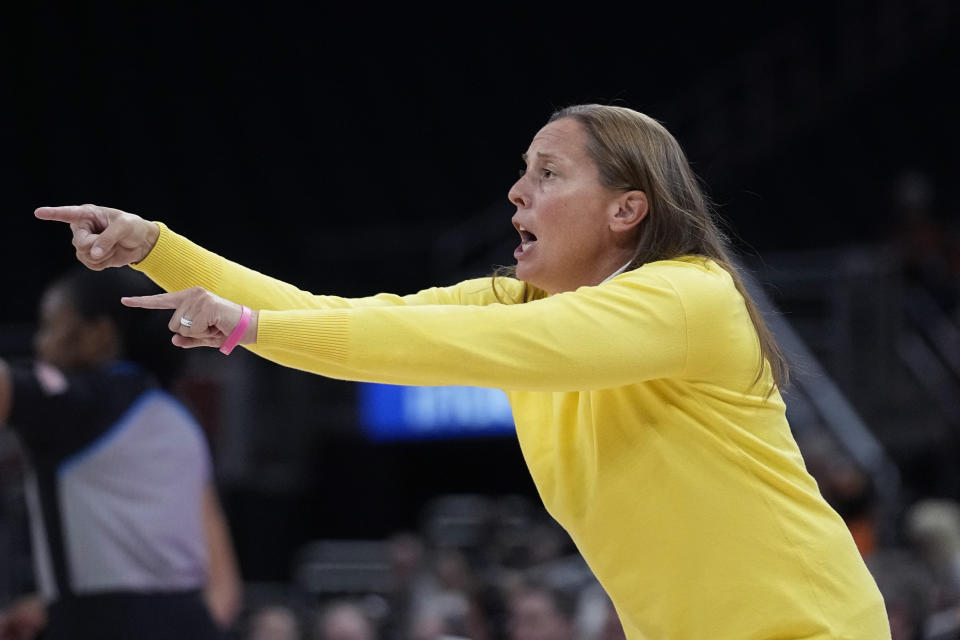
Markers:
point(522, 228)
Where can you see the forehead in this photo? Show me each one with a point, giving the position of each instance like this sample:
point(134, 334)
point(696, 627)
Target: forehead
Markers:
point(55, 301)
point(564, 137)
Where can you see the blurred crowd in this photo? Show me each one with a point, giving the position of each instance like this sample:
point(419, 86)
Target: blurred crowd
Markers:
point(912, 548)
point(501, 569)
point(480, 567)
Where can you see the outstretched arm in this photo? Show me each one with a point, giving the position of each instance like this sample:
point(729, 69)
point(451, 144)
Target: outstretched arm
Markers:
point(632, 329)
point(105, 237)
point(667, 321)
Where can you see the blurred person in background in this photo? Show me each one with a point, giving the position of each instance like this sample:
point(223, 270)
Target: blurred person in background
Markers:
point(410, 582)
point(644, 382)
point(452, 597)
point(933, 528)
point(538, 612)
point(273, 622)
point(446, 602)
point(344, 620)
point(129, 540)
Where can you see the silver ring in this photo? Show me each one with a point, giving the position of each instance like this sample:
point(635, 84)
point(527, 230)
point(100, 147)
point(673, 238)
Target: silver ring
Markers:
point(185, 322)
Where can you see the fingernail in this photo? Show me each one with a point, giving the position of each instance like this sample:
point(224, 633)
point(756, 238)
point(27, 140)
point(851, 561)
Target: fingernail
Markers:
point(96, 252)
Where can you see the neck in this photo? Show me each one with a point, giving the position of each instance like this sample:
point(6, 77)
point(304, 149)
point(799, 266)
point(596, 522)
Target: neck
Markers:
point(612, 265)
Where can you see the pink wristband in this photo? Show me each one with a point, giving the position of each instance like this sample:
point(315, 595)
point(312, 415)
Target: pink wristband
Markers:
point(234, 338)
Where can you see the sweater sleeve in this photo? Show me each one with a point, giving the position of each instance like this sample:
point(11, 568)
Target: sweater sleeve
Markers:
point(630, 329)
point(176, 263)
point(638, 326)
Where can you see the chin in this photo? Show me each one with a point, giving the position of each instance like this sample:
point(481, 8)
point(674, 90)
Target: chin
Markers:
point(526, 273)
point(531, 277)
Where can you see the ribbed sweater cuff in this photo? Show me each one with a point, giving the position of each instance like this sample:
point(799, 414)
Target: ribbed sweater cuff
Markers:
point(314, 334)
point(175, 263)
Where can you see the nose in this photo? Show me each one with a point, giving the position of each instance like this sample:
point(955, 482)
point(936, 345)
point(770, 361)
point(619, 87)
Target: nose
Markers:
point(517, 194)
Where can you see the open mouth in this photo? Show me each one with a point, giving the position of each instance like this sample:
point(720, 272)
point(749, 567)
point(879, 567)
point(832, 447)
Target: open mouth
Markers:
point(527, 240)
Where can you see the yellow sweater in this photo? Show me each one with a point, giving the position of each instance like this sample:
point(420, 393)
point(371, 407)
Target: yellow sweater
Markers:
point(637, 413)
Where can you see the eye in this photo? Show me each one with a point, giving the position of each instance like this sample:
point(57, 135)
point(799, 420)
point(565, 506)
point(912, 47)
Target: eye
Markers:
point(546, 173)
point(522, 171)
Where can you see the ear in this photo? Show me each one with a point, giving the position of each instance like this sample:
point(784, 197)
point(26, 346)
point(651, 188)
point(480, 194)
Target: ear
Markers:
point(631, 209)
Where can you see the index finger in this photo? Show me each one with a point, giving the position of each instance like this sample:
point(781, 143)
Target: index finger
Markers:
point(74, 213)
point(157, 301)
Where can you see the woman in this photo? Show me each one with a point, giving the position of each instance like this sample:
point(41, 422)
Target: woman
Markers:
point(643, 381)
point(129, 540)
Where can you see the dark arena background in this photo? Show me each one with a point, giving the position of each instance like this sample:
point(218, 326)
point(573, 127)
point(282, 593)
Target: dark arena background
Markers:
point(358, 149)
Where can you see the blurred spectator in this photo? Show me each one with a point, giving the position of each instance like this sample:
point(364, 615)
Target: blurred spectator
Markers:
point(538, 612)
point(411, 583)
point(933, 527)
point(274, 622)
point(453, 584)
point(449, 606)
point(344, 620)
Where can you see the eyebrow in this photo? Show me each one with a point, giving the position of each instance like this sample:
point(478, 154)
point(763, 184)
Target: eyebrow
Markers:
point(541, 155)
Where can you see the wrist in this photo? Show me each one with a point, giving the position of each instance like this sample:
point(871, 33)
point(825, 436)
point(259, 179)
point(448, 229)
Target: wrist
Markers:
point(250, 335)
point(151, 232)
point(240, 331)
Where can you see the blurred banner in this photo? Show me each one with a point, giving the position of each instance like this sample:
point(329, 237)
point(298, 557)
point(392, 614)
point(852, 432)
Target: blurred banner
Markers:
point(390, 412)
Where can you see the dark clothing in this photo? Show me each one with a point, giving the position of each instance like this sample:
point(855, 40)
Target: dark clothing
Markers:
point(132, 616)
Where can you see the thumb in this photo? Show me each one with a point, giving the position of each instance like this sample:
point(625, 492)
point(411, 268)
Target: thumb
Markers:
point(106, 240)
point(82, 238)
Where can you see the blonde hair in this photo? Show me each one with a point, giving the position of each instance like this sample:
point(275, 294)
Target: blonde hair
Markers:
point(632, 151)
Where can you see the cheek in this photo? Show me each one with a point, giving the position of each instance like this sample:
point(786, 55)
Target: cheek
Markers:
point(57, 342)
point(577, 228)
point(561, 219)
point(41, 343)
